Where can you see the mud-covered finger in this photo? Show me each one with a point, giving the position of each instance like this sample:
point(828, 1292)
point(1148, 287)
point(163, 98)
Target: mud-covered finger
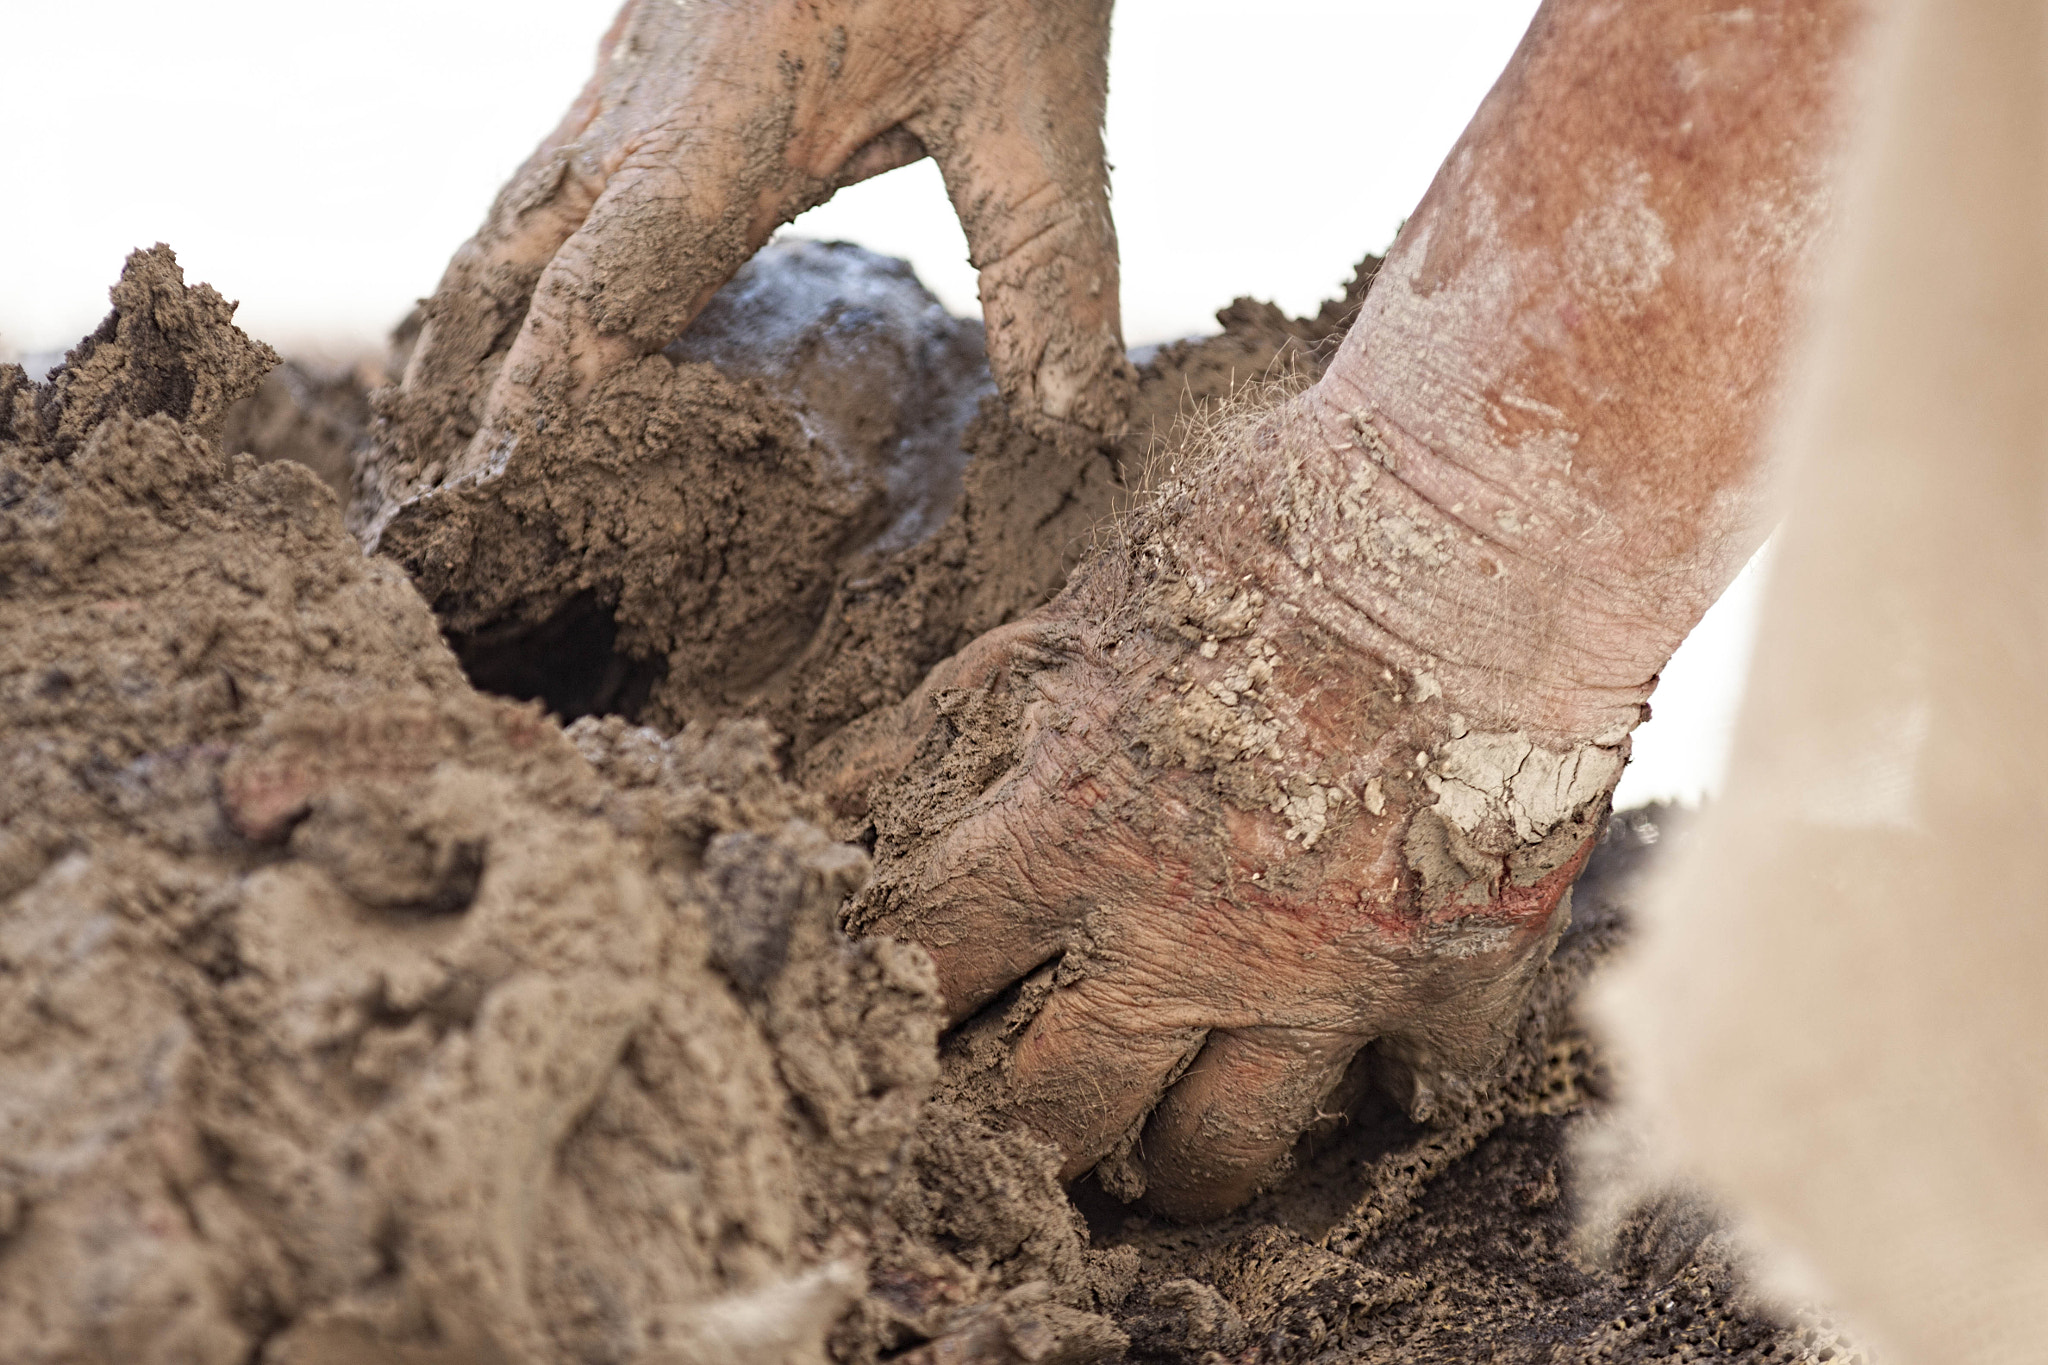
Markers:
point(1091, 1066)
point(1018, 135)
point(475, 309)
point(992, 884)
point(976, 905)
point(1226, 1128)
point(849, 765)
point(682, 211)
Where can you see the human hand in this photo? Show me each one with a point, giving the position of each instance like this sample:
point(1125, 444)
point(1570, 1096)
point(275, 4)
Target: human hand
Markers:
point(707, 125)
point(1244, 848)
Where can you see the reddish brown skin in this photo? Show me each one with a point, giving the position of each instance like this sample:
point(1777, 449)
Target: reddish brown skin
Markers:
point(1561, 381)
point(1670, 403)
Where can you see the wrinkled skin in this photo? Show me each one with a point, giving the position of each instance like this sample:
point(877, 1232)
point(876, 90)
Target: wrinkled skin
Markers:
point(1310, 759)
point(710, 123)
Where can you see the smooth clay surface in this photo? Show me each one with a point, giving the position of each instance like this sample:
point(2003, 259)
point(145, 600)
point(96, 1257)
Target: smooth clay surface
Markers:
point(349, 1013)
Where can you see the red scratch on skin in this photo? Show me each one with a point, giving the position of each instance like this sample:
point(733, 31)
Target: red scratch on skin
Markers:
point(1389, 920)
point(1530, 907)
point(1535, 903)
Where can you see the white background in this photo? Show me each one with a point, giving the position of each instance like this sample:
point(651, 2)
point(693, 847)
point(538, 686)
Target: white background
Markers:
point(320, 162)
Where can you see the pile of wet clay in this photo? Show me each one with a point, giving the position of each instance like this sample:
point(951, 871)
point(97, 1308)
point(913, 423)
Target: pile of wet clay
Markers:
point(350, 1013)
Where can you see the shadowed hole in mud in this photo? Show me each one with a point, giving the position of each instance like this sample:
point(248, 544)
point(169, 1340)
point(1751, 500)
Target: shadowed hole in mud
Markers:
point(569, 662)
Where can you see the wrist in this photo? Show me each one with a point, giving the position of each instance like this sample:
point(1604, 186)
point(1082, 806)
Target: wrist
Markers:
point(1347, 525)
point(1313, 687)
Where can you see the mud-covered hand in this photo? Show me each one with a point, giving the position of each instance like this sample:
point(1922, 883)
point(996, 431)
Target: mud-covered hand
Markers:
point(1307, 757)
point(1205, 843)
point(709, 123)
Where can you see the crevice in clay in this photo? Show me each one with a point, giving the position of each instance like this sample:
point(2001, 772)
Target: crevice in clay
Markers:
point(570, 663)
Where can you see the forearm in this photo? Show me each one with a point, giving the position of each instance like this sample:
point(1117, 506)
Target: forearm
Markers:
point(1537, 458)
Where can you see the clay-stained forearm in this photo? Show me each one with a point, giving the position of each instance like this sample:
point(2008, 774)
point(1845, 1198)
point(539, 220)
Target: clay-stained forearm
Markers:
point(1540, 455)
